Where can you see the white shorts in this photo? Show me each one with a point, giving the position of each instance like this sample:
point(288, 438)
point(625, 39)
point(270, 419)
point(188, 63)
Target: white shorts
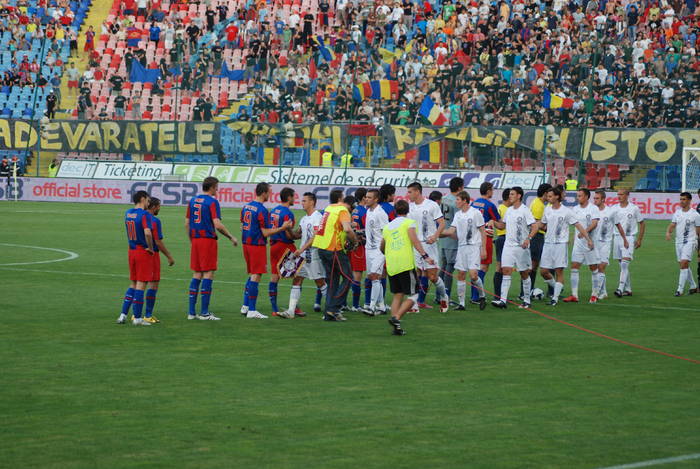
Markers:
point(554, 256)
point(432, 251)
point(312, 270)
point(468, 258)
point(603, 248)
point(516, 256)
point(619, 251)
point(583, 255)
point(375, 261)
point(685, 252)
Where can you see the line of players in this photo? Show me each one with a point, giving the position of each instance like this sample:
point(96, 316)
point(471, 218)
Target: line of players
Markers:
point(523, 240)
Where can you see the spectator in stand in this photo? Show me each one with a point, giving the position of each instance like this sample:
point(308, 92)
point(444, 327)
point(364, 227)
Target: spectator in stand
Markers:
point(89, 40)
point(73, 75)
point(154, 33)
point(51, 103)
point(120, 104)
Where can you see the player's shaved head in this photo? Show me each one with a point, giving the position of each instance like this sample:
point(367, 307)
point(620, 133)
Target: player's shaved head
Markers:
point(311, 196)
point(209, 183)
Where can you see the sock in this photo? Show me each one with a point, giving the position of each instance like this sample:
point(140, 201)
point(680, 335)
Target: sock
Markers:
point(356, 291)
point(368, 291)
point(476, 293)
point(294, 296)
point(206, 296)
point(682, 278)
point(594, 282)
point(497, 280)
point(558, 287)
point(440, 289)
point(128, 299)
point(245, 292)
point(150, 302)
point(480, 287)
point(505, 286)
point(691, 280)
point(423, 289)
point(272, 290)
point(533, 278)
point(526, 290)
point(461, 291)
point(319, 295)
point(601, 284)
point(574, 282)
point(377, 294)
point(138, 303)
point(628, 283)
point(550, 282)
point(253, 295)
point(624, 272)
point(383, 289)
point(698, 272)
point(194, 289)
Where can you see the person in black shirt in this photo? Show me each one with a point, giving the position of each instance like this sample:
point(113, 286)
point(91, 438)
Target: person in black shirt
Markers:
point(128, 60)
point(119, 107)
point(186, 84)
point(197, 112)
point(217, 53)
point(198, 79)
point(211, 16)
point(193, 32)
point(207, 109)
point(223, 11)
point(117, 83)
point(82, 107)
point(51, 105)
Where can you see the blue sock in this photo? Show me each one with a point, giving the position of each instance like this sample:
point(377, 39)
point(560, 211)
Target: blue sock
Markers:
point(319, 295)
point(272, 290)
point(252, 295)
point(206, 295)
point(423, 290)
point(194, 289)
point(368, 291)
point(245, 292)
point(476, 294)
point(128, 299)
point(150, 301)
point(138, 303)
point(356, 292)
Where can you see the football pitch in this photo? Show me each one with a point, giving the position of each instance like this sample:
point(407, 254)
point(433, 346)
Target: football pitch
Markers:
point(492, 389)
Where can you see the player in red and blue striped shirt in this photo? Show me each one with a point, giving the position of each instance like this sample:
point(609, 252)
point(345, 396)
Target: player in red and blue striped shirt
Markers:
point(280, 242)
point(138, 224)
point(158, 247)
point(490, 212)
point(255, 229)
point(358, 262)
point(202, 222)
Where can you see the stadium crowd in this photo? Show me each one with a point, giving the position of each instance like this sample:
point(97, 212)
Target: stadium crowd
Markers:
point(629, 63)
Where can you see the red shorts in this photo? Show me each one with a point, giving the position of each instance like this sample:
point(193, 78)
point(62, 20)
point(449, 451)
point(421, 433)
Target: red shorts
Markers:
point(277, 251)
point(140, 265)
point(156, 268)
point(489, 251)
point(72, 83)
point(255, 258)
point(203, 254)
point(358, 261)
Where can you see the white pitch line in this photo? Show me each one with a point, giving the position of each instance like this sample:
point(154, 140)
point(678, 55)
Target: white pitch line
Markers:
point(70, 254)
point(656, 462)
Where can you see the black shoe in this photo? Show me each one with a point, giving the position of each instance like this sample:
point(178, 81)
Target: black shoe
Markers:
point(618, 293)
point(482, 303)
point(501, 304)
point(627, 293)
point(677, 293)
point(459, 308)
point(524, 305)
point(552, 302)
point(474, 302)
point(396, 324)
point(334, 317)
point(495, 302)
point(453, 303)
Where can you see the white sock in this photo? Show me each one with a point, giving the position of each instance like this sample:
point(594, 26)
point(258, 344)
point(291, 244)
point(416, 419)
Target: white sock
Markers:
point(527, 286)
point(376, 296)
point(624, 273)
point(628, 284)
point(294, 296)
point(558, 287)
point(574, 282)
point(682, 279)
point(461, 291)
point(550, 282)
point(691, 279)
point(505, 286)
point(324, 292)
point(479, 286)
point(601, 284)
point(440, 289)
point(594, 282)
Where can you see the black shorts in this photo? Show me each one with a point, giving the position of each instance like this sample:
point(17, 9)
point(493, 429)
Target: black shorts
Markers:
point(405, 282)
point(536, 246)
point(499, 242)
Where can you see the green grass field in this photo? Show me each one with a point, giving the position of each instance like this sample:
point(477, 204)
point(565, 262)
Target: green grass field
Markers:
point(491, 389)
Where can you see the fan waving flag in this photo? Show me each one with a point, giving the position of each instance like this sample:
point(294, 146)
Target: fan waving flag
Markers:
point(552, 101)
point(235, 75)
point(432, 112)
point(325, 52)
point(376, 89)
point(140, 73)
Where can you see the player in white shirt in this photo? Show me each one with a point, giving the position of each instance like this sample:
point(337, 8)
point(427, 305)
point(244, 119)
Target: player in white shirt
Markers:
point(520, 228)
point(588, 215)
point(376, 219)
point(468, 228)
point(603, 238)
point(686, 222)
point(629, 216)
point(312, 268)
point(429, 225)
point(557, 218)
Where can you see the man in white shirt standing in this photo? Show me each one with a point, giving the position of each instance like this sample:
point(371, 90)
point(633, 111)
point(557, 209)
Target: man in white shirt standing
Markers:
point(629, 216)
point(557, 218)
point(588, 215)
point(376, 219)
point(520, 228)
point(603, 238)
point(429, 226)
point(686, 222)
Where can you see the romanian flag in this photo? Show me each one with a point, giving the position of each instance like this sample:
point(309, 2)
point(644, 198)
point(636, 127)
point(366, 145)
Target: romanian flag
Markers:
point(552, 101)
point(376, 89)
point(432, 112)
point(326, 53)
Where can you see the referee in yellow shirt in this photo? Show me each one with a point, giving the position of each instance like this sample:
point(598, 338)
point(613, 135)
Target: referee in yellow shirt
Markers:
point(537, 209)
